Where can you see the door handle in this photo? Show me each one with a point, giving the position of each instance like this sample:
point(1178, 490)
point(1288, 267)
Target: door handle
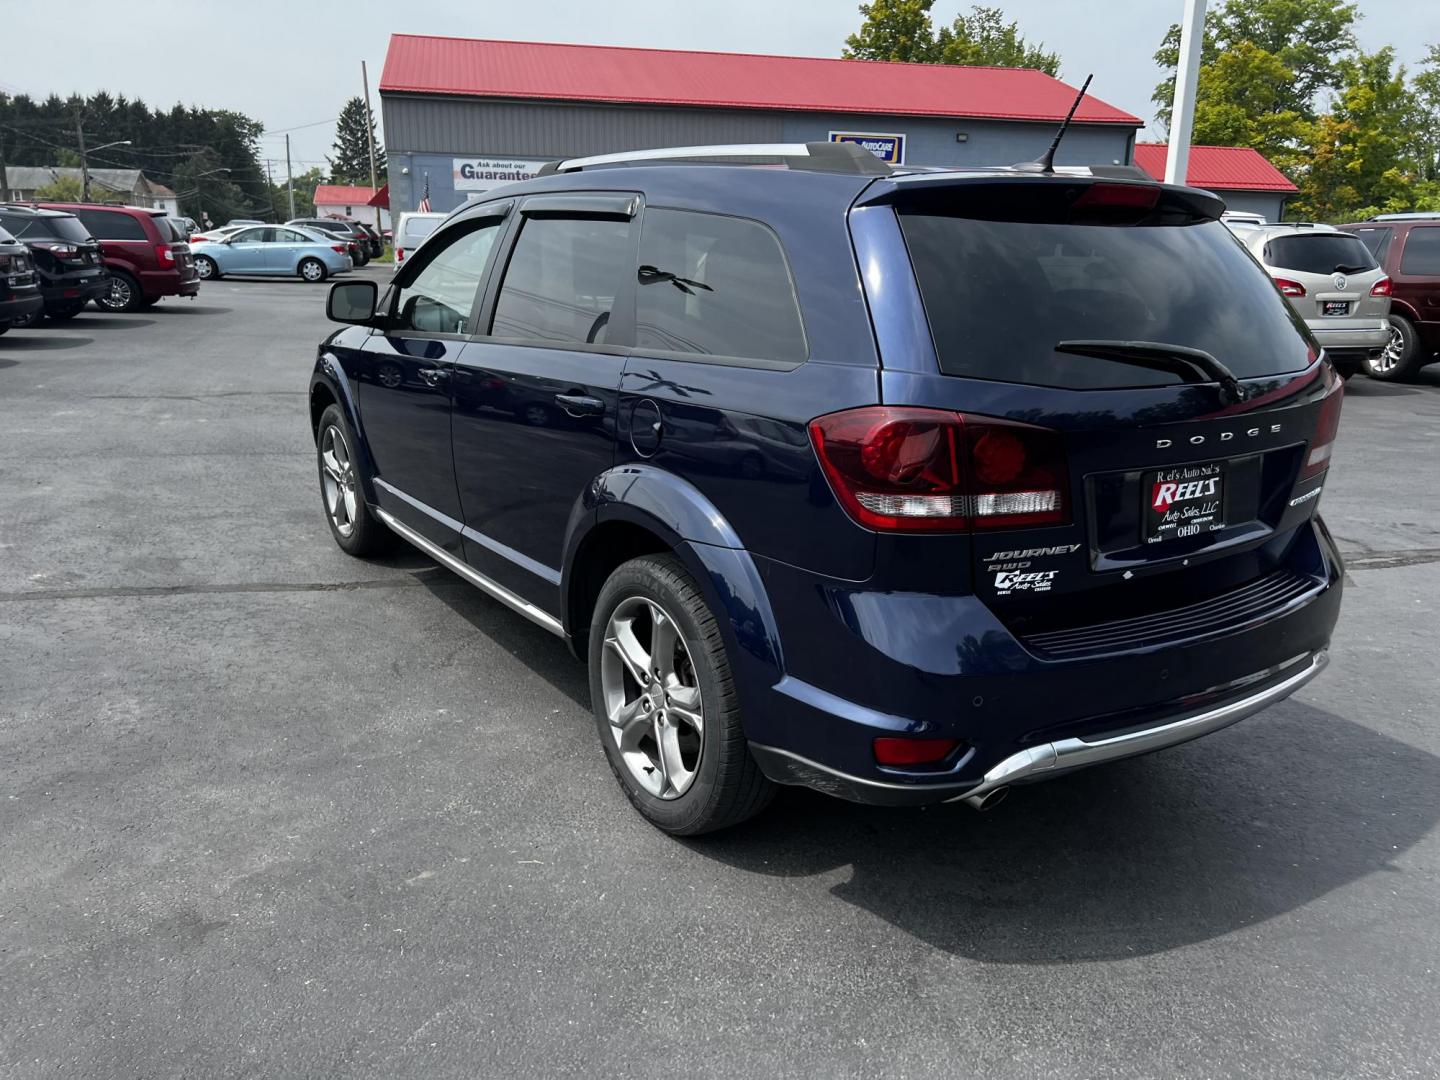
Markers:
point(433, 376)
point(580, 404)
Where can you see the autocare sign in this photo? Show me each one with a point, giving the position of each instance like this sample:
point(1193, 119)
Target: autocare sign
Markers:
point(482, 174)
point(888, 148)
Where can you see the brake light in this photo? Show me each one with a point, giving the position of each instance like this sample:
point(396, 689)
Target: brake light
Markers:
point(338, 247)
point(399, 255)
point(1326, 428)
point(892, 751)
point(60, 251)
point(1290, 288)
point(1138, 196)
point(164, 254)
point(899, 469)
point(1381, 287)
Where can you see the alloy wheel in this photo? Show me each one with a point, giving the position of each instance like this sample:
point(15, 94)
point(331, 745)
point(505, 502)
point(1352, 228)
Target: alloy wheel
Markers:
point(205, 268)
point(1390, 355)
point(119, 296)
point(341, 501)
point(652, 697)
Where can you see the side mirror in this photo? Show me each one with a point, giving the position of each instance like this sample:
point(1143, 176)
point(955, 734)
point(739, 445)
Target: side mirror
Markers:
point(352, 302)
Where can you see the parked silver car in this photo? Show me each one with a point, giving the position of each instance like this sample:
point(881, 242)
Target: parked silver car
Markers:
point(1334, 283)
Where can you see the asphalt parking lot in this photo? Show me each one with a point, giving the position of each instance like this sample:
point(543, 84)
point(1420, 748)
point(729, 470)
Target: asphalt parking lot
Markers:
point(269, 811)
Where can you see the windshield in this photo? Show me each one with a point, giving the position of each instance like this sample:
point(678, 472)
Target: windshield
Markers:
point(1319, 253)
point(1001, 294)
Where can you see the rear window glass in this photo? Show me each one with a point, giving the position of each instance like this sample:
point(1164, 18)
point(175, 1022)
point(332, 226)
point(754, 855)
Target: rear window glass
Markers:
point(418, 228)
point(68, 228)
point(1376, 241)
point(1422, 251)
point(714, 285)
point(111, 225)
point(999, 296)
point(1319, 253)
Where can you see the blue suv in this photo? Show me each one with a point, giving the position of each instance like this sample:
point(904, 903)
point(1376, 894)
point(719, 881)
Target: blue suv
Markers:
point(903, 485)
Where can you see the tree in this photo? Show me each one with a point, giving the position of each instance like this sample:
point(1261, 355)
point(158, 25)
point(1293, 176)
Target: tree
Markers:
point(1308, 39)
point(62, 189)
point(204, 188)
point(984, 38)
point(351, 161)
point(903, 30)
point(893, 30)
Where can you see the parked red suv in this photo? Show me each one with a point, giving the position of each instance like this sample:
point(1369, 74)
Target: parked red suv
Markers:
point(1407, 247)
point(146, 258)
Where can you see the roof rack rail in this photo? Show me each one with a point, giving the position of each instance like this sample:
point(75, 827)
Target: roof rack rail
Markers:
point(837, 157)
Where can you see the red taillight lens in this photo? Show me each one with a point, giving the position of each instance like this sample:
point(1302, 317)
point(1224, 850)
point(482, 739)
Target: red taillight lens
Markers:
point(1318, 458)
point(1136, 196)
point(1289, 288)
point(927, 470)
point(399, 255)
point(164, 253)
point(60, 251)
point(890, 751)
point(1381, 287)
point(341, 248)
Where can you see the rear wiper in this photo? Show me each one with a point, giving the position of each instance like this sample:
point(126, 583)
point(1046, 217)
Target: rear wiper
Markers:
point(1344, 269)
point(1192, 365)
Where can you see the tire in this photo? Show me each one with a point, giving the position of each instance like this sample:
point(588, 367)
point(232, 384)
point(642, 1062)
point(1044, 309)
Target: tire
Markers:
point(361, 259)
point(707, 780)
point(1400, 360)
point(124, 294)
point(206, 267)
point(355, 528)
point(4, 327)
point(312, 270)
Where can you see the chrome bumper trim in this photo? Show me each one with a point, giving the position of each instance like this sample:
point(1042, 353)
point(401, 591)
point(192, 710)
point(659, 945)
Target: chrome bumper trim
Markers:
point(1065, 754)
point(479, 580)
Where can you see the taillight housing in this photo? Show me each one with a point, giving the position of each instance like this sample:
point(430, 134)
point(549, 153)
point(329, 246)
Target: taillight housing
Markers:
point(341, 248)
point(164, 253)
point(1317, 457)
point(59, 250)
point(399, 255)
point(896, 751)
point(1381, 288)
point(902, 469)
point(1289, 288)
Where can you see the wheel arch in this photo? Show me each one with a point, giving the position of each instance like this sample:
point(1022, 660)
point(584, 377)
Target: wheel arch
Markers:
point(329, 385)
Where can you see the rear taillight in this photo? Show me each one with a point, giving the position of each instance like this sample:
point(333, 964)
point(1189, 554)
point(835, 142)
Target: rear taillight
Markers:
point(399, 255)
point(893, 751)
point(926, 470)
point(1289, 288)
point(1326, 428)
point(341, 248)
point(7, 263)
point(164, 253)
point(60, 251)
point(1381, 287)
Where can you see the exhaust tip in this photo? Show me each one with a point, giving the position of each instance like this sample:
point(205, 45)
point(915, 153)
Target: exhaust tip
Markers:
point(989, 800)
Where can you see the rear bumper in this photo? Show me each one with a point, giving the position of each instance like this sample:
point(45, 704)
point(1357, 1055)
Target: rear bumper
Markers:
point(945, 667)
point(1050, 759)
point(21, 303)
point(62, 292)
point(156, 283)
point(1355, 334)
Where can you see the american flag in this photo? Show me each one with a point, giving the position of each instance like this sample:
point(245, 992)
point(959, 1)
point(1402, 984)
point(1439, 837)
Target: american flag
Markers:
point(424, 206)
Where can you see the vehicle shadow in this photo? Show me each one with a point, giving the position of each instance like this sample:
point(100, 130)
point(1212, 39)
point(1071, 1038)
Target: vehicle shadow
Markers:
point(110, 322)
point(1123, 860)
point(41, 338)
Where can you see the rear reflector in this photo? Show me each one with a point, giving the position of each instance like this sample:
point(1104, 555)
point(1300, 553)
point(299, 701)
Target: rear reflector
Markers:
point(1326, 428)
point(897, 469)
point(890, 751)
point(1381, 287)
point(1290, 288)
point(1140, 196)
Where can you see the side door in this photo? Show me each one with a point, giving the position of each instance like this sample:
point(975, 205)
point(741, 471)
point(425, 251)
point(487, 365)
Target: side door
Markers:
point(1418, 280)
point(247, 251)
point(404, 375)
point(536, 397)
point(283, 255)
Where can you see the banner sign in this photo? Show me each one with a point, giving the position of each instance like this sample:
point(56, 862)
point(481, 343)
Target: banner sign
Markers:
point(482, 174)
point(888, 148)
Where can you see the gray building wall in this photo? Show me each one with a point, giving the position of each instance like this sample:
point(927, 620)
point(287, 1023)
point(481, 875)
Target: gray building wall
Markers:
point(425, 133)
point(1271, 204)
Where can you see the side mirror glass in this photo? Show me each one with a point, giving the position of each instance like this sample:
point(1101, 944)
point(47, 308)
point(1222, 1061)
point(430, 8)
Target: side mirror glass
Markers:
point(352, 302)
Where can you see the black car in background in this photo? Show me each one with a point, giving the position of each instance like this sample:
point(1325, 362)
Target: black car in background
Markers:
point(67, 258)
point(349, 231)
point(20, 298)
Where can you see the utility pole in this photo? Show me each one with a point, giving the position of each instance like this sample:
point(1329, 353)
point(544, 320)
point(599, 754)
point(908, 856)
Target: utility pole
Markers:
point(84, 165)
point(370, 138)
point(1187, 73)
point(289, 178)
point(270, 189)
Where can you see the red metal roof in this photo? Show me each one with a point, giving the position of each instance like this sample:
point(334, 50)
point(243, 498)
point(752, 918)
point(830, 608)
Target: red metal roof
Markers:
point(1223, 168)
point(524, 69)
point(342, 195)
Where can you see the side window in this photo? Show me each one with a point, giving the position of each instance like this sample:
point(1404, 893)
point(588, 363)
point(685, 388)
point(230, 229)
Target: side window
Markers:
point(439, 299)
point(250, 236)
point(561, 282)
point(1422, 251)
point(109, 225)
point(715, 285)
point(290, 236)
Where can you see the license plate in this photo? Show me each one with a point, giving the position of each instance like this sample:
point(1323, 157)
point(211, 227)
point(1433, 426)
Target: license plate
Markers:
point(1183, 501)
point(1335, 307)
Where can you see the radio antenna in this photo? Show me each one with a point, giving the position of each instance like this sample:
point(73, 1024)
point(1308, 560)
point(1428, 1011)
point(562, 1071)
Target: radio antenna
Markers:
point(1046, 162)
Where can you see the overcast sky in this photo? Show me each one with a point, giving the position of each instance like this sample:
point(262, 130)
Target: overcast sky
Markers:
point(291, 63)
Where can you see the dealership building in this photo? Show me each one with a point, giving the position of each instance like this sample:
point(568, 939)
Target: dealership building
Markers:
point(463, 116)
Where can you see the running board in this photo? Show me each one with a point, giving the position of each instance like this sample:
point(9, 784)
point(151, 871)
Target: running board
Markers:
point(474, 577)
